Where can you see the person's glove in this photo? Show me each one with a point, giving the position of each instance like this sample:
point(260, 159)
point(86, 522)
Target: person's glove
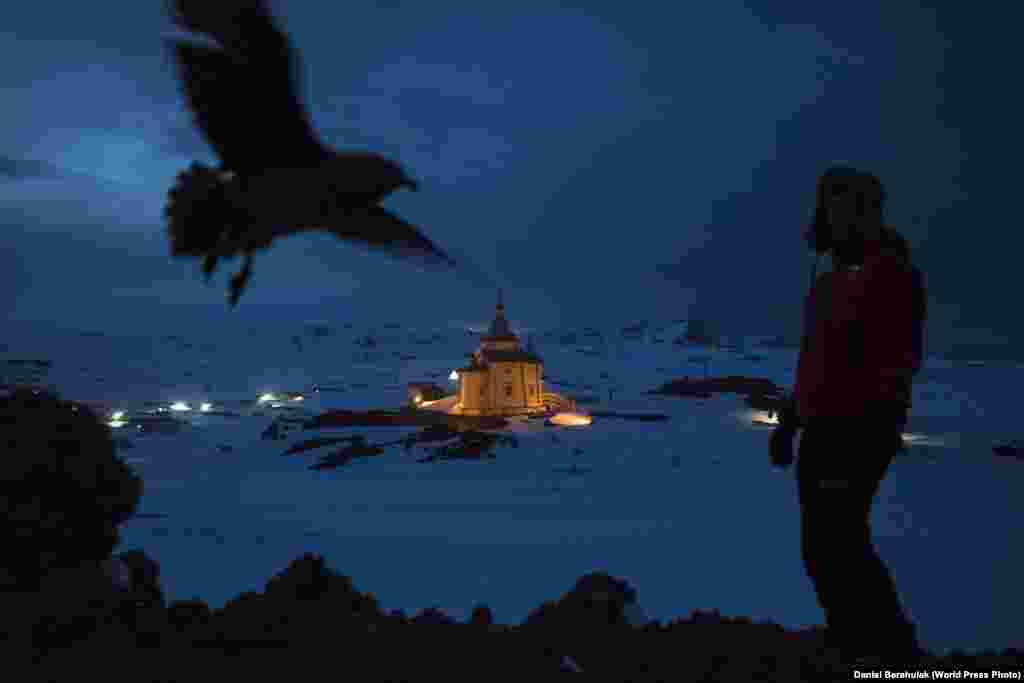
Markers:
point(780, 446)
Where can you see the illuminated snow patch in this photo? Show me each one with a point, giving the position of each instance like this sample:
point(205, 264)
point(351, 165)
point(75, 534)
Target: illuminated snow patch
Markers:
point(570, 419)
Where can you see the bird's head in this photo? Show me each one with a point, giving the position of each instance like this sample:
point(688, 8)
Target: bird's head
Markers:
point(402, 178)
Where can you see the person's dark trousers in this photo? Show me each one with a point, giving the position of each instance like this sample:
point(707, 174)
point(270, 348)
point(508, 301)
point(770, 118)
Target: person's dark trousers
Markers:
point(840, 466)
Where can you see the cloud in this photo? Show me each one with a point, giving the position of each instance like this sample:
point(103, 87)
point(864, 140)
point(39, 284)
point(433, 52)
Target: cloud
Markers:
point(27, 169)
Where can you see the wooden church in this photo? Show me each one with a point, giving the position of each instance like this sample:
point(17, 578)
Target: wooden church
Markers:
point(501, 378)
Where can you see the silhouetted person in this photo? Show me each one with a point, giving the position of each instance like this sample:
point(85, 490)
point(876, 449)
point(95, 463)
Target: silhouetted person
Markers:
point(861, 347)
point(276, 177)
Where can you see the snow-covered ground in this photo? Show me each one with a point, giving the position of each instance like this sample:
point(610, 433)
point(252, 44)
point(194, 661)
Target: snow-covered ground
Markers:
point(688, 509)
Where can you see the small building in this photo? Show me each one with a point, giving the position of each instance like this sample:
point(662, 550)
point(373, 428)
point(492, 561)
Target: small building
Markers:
point(501, 378)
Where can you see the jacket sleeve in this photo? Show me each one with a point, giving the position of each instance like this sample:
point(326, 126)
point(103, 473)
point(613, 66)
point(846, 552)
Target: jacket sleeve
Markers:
point(790, 413)
point(893, 328)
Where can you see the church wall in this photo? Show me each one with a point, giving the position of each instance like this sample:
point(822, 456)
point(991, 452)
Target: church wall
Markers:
point(508, 393)
point(507, 387)
point(532, 374)
point(470, 384)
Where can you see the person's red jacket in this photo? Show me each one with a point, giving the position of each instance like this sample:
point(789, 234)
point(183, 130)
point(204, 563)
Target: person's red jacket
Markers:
point(863, 338)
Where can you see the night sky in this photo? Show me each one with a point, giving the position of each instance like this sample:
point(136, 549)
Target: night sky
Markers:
point(603, 161)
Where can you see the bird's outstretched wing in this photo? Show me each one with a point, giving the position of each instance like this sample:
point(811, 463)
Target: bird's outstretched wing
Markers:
point(377, 229)
point(244, 93)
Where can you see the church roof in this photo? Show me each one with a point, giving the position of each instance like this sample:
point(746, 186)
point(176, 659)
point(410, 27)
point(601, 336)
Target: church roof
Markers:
point(500, 328)
point(498, 356)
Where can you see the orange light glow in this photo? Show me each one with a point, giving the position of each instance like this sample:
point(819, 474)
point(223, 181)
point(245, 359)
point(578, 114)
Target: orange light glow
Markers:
point(571, 419)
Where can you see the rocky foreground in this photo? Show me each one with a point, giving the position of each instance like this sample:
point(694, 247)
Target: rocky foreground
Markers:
point(310, 618)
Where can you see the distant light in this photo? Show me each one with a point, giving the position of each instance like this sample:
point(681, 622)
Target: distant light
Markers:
point(922, 440)
point(117, 423)
point(765, 417)
point(454, 376)
point(276, 405)
point(180, 406)
point(417, 399)
point(571, 419)
point(267, 397)
point(297, 398)
point(117, 415)
point(205, 407)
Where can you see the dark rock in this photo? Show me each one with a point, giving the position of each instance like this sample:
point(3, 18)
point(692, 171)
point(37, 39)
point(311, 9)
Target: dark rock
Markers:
point(1010, 450)
point(704, 388)
point(73, 473)
point(370, 418)
point(187, 615)
point(481, 616)
point(347, 455)
point(281, 427)
point(432, 616)
point(311, 444)
point(145, 575)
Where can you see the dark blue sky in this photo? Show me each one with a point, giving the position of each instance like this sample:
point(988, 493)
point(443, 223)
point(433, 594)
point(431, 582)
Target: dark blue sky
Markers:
point(604, 161)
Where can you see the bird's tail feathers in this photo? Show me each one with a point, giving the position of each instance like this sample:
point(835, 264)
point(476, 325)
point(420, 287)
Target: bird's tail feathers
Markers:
point(200, 214)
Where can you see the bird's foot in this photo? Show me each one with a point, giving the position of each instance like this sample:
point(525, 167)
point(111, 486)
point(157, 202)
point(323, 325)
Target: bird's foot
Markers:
point(240, 280)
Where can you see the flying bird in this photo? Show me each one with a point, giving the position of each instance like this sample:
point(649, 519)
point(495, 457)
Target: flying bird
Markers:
point(239, 74)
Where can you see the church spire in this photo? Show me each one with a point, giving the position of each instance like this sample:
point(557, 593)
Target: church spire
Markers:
point(500, 327)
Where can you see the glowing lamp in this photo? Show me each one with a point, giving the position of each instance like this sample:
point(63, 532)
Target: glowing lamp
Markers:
point(205, 407)
point(117, 415)
point(117, 423)
point(454, 376)
point(267, 397)
point(179, 406)
point(297, 398)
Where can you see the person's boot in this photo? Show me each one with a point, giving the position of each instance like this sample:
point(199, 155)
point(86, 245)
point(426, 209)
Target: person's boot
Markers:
point(900, 645)
point(894, 646)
